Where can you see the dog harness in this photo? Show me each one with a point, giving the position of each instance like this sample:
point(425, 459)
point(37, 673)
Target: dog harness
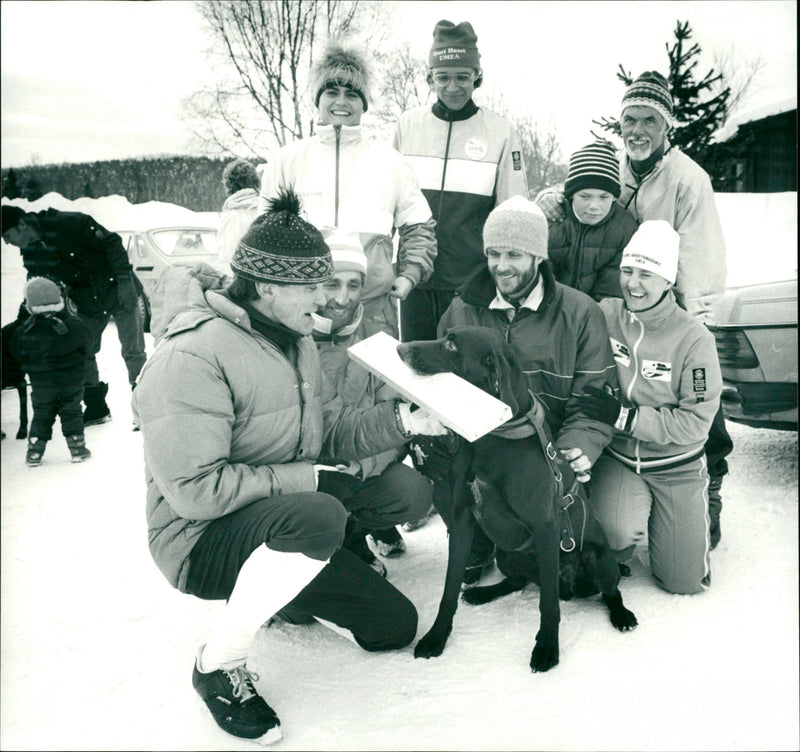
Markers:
point(526, 425)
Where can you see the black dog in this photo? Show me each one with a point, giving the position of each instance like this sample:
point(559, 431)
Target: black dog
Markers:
point(14, 377)
point(514, 485)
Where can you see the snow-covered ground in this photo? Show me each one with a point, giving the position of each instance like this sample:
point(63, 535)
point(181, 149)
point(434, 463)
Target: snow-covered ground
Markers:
point(97, 648)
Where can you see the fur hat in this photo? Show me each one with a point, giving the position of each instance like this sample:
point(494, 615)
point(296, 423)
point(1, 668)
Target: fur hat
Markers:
point(594, 166)
point(654, 247)
point(454, 45)
point(11, 216)
point(282, 247)
point(341, 64)
point(347, 253)
point(240, 174)
point(43, 296)
point(517, 223)
point(650, 89)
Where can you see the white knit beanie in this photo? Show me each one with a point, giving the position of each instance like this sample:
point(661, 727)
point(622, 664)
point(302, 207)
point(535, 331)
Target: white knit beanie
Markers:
point(347, 253)
point(654, 248)
point(517, 223)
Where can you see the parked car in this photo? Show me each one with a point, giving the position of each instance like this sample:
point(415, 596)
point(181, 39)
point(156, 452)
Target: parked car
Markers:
point(150, 251)
point(756, 332)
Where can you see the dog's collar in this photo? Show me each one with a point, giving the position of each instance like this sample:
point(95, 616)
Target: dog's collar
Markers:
point(523, 425)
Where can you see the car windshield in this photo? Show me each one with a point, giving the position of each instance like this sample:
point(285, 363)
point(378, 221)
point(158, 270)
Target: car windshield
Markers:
point(186, 242)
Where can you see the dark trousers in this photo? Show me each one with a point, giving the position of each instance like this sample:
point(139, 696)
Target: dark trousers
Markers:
point(397, 495)
point(51, 401)
point(131, 336)
point(346, 592)
point(718, 446)
point(420, 313)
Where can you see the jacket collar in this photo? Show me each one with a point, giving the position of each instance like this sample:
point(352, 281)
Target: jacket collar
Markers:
point(323, 327)
point(347, 133)
point(480, 290)
point(656, 316)
point(443, 113)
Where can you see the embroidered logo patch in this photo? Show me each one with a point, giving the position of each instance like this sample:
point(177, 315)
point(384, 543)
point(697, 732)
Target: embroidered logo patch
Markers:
point(516, 158)
point(620, 352)
point(476, 148)
point(699, 383)
point(656, 370)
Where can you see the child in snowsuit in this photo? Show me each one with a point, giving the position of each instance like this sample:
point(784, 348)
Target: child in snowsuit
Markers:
point(587, 246)
point(52, 346)
point(652, 480)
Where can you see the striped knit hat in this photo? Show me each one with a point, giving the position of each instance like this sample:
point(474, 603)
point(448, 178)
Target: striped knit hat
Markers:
point(594, 166)
point(341, 64)
point(347, 253)
point(650, 90)
point(282, 247)
point(519, 224)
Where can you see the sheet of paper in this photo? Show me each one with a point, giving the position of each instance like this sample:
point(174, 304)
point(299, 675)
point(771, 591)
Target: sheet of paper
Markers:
point(459, 405)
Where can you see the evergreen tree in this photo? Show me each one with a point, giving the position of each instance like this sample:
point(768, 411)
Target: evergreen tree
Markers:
point(11, 188)
point(699, 111)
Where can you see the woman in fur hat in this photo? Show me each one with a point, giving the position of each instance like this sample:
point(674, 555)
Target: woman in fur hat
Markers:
point(349, 183)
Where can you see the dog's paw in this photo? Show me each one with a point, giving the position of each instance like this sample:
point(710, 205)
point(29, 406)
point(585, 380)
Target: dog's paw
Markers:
point(432, 644)
point(22, 434)
point(544, 656)
point(477, 596)
point(623, 619)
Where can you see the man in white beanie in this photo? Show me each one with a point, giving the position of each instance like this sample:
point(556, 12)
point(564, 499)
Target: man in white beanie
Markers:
point(558, 333)
point(653, 476)
point(659, 181)
point(390, 492)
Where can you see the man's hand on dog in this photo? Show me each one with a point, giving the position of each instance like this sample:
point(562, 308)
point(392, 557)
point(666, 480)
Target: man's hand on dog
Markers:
point(579, 463)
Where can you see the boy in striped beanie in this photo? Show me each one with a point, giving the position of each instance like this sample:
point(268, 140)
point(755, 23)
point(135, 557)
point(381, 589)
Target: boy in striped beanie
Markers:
point(586, 247)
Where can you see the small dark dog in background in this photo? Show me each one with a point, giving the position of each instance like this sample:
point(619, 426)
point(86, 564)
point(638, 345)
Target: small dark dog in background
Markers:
point(505, 481)
point(14, 377)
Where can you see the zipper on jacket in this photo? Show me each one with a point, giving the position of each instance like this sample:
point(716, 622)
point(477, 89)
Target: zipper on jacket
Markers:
point(629, 391)
point(338, 131)
point(444, 170)
point(576, 270)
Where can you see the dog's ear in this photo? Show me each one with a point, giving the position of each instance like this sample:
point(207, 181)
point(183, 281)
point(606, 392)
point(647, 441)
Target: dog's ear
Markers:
point(501, 378)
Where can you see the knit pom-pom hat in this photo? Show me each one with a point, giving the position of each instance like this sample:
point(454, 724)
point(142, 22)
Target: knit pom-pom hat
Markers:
point(280, 246)
point(341, 64)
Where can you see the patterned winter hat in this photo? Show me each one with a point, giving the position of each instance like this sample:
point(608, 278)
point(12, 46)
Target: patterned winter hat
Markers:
point(282, 247)
point(454, 45)
point(593, 166)
point(43, 296)
point(517, 223)
point(341, 64)
point(650, 90)
point(347, 253)
point(654, 248)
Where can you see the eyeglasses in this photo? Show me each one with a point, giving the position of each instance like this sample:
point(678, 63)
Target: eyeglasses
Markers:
point(443, 79)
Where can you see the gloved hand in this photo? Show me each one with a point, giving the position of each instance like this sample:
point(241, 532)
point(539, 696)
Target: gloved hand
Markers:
point(551, 202)
point(126, 293)
point(600, 405)
point(420, 422)
point(335, 481)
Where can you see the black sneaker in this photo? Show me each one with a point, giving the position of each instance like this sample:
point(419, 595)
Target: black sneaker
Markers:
point(359, 547)
point(235, 705)
point(389, 542)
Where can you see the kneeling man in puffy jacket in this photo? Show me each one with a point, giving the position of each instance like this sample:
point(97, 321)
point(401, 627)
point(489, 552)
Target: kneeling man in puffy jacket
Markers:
point(237, 421)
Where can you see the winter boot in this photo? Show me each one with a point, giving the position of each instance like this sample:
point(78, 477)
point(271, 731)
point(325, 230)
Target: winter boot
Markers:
point(714, 509)
point(36, 448)
point(77, 448)
point(389, 542)
point(96, 411)
point(235, 704)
